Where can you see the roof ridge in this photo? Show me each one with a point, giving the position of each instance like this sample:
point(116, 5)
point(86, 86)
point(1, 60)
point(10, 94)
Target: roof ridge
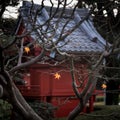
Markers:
point(83, 39)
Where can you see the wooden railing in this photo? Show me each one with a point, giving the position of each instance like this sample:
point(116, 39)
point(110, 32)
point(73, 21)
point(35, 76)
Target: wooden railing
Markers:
point(32, 90)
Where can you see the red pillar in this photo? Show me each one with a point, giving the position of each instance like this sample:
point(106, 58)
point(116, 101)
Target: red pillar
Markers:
point(91, 103)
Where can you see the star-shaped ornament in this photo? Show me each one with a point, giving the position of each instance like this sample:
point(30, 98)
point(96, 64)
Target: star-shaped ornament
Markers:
point(57, 76)
point(27, 49)
point(104, 86)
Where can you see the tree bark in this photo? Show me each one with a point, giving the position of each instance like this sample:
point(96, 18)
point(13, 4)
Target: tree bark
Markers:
point(75, 112)
point(16, 99)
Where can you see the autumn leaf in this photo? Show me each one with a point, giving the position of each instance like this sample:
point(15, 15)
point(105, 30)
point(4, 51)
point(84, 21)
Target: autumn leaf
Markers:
point(104, 86)
point(57, 76)
point(27, 49)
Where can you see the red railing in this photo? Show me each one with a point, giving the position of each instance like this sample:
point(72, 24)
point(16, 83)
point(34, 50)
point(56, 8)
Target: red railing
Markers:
point(33, 91)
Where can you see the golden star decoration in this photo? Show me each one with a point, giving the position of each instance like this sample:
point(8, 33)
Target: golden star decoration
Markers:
point(104, 86)
point(27, 49)
point(57, 76)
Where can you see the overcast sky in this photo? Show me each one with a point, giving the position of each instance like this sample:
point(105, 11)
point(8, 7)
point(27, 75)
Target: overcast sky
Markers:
point(47, 2)
point(12, 11)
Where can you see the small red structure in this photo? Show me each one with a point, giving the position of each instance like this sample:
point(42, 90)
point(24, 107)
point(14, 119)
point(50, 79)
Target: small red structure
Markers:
point(53, 84)
point(41, 84)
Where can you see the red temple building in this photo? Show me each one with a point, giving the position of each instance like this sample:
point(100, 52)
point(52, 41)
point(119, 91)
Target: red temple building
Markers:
point(53, 83)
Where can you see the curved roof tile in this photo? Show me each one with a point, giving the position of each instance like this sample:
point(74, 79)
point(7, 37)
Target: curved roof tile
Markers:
point(84, 39)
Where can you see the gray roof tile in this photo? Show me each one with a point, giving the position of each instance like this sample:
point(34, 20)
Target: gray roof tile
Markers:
point(79, 41)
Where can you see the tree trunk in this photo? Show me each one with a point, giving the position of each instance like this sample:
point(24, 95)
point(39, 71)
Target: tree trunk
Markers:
point(16, 98)
point(76, 111)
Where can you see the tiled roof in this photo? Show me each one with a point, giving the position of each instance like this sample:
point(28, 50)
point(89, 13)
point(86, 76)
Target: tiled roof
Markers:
point(85, 39)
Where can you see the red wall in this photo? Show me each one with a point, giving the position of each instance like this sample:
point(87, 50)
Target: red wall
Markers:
point(42, 85)
point(43, 76)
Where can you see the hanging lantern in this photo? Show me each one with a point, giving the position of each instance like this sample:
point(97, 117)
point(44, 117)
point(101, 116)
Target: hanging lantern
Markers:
point(57, 76)
point(104, 86)
point(27, 49)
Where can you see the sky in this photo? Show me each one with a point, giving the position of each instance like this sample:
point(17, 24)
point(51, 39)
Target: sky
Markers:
point(55, 1)
point(13, 11)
